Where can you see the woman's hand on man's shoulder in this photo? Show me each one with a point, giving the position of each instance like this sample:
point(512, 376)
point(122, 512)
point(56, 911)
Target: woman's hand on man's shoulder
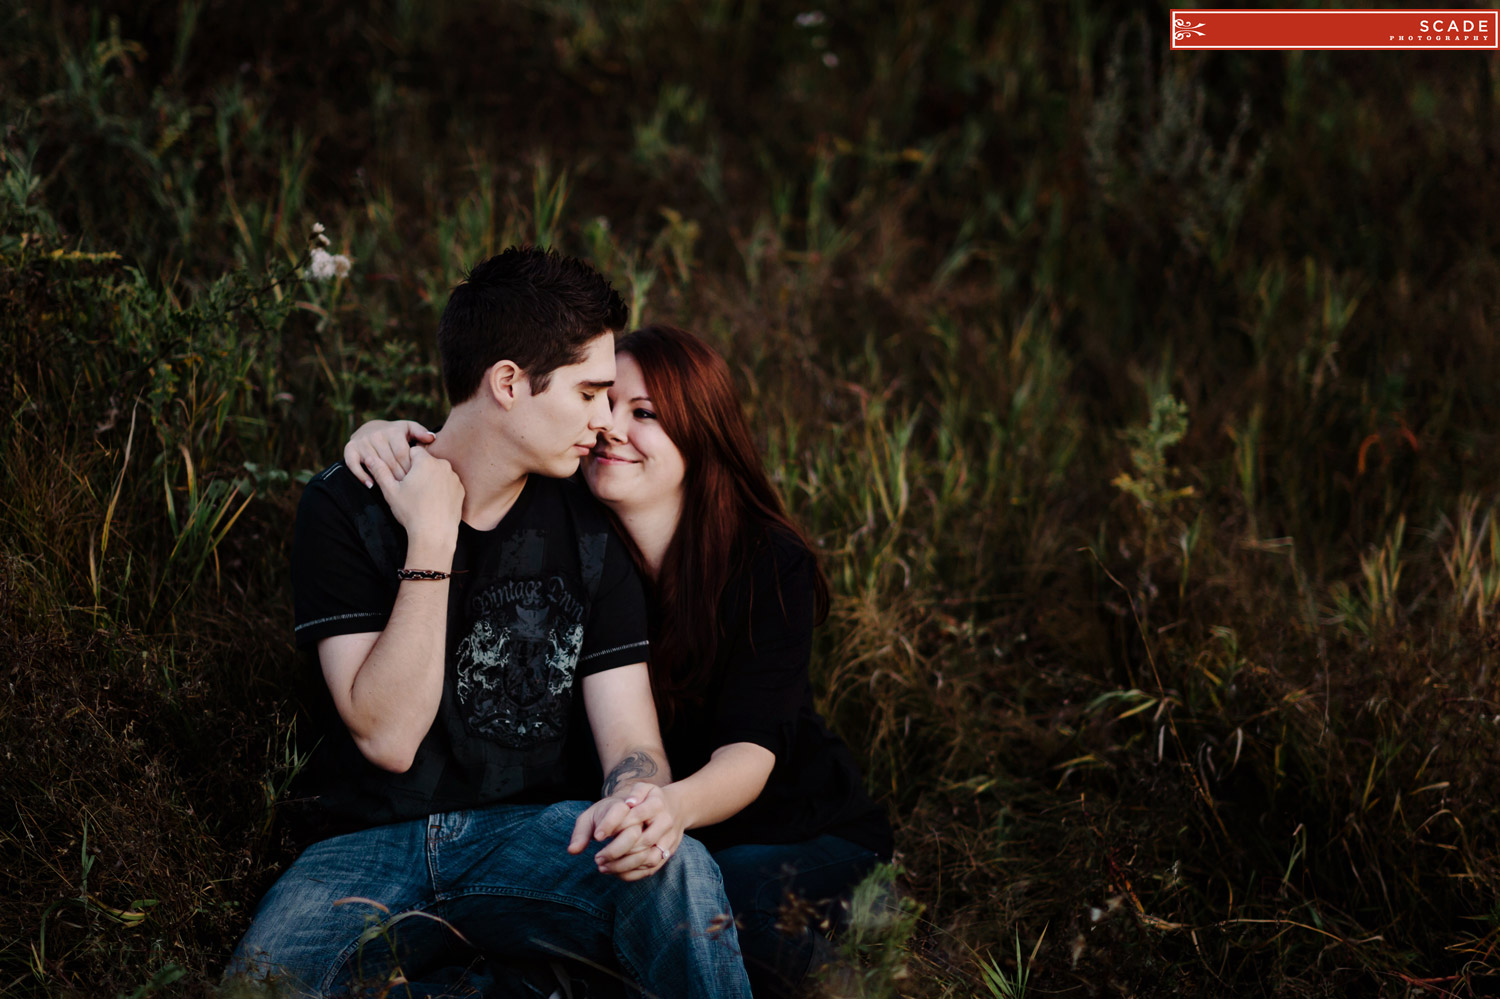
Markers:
point(386, 443)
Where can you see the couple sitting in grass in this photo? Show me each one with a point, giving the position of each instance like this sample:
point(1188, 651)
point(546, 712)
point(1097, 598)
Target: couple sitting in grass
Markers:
point(484, 627)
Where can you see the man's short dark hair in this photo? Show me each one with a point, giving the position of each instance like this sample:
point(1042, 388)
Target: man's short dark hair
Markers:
point(535, 307)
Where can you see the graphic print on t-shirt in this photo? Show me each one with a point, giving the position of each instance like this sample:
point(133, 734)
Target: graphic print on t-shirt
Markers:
point(516, 665)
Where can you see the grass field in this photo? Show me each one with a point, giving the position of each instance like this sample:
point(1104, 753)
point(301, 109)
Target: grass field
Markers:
point(1143, 404)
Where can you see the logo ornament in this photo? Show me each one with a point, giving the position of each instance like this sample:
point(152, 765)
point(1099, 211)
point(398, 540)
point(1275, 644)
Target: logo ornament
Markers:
point(1182, 29)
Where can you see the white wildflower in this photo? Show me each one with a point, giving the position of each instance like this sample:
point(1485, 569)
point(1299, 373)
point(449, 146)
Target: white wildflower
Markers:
point(322, 265)
point(811, 19)
point(318, 229)
point(322, 239)
point(830, 60)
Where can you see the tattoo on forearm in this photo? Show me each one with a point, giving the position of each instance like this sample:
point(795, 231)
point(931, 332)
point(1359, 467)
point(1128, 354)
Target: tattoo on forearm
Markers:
point(636, 766)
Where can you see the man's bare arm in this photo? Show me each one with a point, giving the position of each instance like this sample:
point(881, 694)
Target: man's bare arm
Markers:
point(633, 810)
point(637, 766)
point(387, 685)
point(622, 715)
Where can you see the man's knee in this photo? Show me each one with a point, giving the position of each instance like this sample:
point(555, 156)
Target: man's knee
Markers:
point(565, 811)
point(694, 861)
point(555, 822)
point(694, 852)
point(299, 944)
point(691, 882)
point(310, 921)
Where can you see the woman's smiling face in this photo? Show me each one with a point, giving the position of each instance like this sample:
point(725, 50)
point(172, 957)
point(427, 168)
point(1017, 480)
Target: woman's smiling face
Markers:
point(635, 465)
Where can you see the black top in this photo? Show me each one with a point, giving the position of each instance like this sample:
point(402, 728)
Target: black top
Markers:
point(546, 597)
point(761, 693)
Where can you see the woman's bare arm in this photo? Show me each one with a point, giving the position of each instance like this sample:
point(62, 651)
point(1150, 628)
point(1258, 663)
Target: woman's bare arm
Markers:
point(732, 778)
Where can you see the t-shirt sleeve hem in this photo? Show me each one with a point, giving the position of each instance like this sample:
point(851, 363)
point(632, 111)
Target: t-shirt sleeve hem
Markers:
point(310, 633)
point(773, 740)
point(612, 658)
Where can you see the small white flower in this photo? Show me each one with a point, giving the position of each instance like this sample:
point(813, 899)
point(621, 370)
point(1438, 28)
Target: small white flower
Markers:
point(811, 19)
point(830, 60)
point(317, 228)
point(323, 266)
point(319, 265)
point(322, 239)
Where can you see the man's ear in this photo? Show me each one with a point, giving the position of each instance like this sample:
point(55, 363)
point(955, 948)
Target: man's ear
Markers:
point(502, 381)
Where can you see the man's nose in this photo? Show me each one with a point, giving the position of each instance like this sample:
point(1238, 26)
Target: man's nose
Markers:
point(613, 432)
point(602, 416)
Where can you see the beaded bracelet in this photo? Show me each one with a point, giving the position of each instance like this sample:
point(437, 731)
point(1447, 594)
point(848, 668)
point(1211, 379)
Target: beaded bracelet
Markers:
point(421, 574)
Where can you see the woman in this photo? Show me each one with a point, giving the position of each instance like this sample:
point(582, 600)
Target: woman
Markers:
point(761, 780)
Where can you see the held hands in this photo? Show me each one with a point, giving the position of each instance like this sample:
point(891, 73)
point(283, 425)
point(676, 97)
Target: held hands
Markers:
point(645, 830)
point(428, 500)
point(424, 492)
point(384, 442)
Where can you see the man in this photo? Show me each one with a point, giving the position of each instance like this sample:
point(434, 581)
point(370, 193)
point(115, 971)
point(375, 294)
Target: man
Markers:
point(456, 614)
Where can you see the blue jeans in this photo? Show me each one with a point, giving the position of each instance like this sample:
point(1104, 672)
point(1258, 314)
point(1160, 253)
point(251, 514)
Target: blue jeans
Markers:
point(760, 879)
point(354, 911)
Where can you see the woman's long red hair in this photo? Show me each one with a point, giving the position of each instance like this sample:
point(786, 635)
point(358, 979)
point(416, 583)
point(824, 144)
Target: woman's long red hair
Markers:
point(728, 504)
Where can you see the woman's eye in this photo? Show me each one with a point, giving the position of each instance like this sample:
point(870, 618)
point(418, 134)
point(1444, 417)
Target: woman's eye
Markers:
point(588, 396)
point(644, 414)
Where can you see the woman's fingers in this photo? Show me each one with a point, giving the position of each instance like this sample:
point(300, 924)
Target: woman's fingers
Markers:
point(616, 819)
point(643, 856)
point(643, 834)
point(650, 845)
point(626, 842)
point(354, 460)
point(418, 433)
point(380, 472)
point(389, 444)
point(382, 447)
point(635, 867)
point(401, 450)
point(639, 864)
point(641, 803)
point(667, 842)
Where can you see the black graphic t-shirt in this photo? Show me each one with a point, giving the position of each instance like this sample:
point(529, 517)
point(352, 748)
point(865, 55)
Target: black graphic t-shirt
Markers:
point(547, 597)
